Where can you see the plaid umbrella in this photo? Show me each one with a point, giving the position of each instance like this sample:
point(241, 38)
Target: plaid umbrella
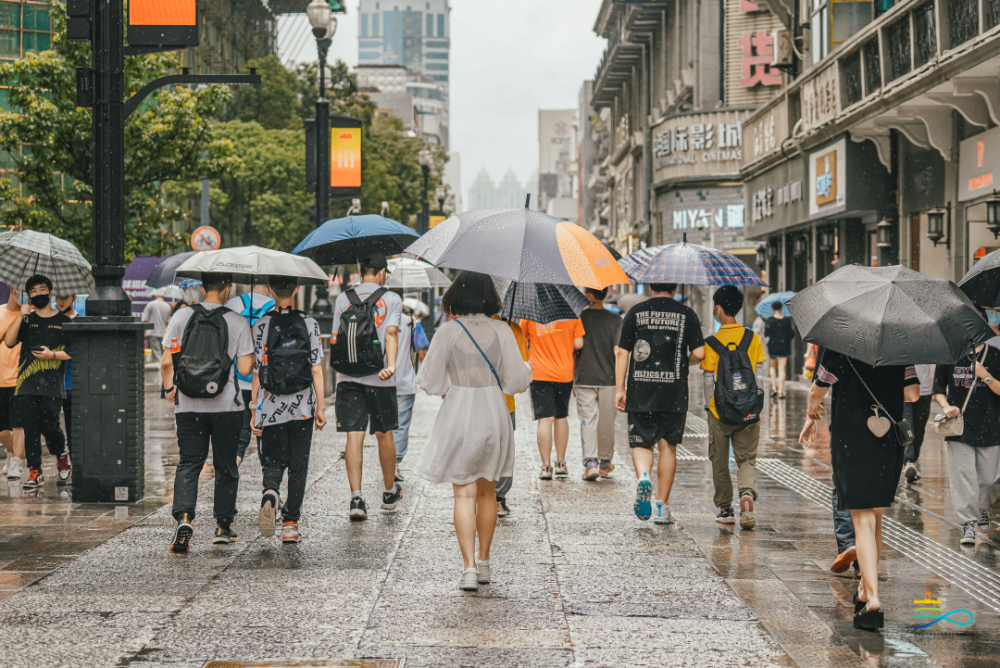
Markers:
point(688, 264)
point(24, 254)
point(540, 302)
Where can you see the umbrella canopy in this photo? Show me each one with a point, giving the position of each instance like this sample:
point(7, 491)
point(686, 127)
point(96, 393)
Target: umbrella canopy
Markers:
point(764, 308)
point(688, 264)
point(417, 306)
point(253, 264)
point(164, 273)
point(540, 302)
point(409, 273)
point(340, 241)
point(982, 282)
point(23, 254)
point(169, 292)
point(889, 316)
point(521, 245)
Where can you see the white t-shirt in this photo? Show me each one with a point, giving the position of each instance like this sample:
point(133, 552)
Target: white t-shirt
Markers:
point(258, 303)
point(158, 313)
point(388, 311)
point(273, 409)
point(406, 375)
point(240, 344)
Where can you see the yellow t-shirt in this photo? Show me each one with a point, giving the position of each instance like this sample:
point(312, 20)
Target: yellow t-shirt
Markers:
point(731, 334)
point(522, 345)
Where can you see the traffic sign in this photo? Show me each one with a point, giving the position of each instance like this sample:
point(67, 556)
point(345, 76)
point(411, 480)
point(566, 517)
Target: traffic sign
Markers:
point(205, 238)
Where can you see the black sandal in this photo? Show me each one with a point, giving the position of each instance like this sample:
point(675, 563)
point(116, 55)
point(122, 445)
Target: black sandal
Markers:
point(858, 603)
point(869, 620)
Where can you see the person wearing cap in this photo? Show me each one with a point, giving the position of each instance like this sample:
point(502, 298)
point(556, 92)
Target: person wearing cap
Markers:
point(369, 402)
point(728, 300)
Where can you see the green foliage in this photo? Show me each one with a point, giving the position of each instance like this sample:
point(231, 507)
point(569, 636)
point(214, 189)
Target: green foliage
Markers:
point(273, 103)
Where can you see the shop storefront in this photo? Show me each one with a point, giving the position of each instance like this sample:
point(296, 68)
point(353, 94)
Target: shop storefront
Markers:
point(978, 183)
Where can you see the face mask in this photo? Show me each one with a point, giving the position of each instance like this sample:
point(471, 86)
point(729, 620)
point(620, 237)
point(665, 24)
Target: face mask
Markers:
point(40, 301)
point(993, 318)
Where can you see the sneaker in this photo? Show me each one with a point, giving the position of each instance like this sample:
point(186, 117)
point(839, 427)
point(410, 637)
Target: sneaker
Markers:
point(35, 478)
point(969, 534)
point(359, 511)
point(910, 472)
point(984, 521)
point(224, 535)
point(182, 535)
point(606, 468)
point(268, 508)
point(398, 476)
point(469, 580)
point(546, 473)
point(390, 499)
point(662, 514)
point(747, 518)
point(561, 470)
point(726, 516)
point(13, 468)
point(643, 491)
point(844, 560)
point(502, 509)
point(290, 532)
point(592, 472)
point(484, 571)
point(64, 469)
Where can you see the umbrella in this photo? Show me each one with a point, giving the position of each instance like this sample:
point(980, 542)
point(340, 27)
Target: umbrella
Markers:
point(417, 306)
point(409, 273)
point(764, 308)
point(521, 245)
point(628, 302)
point(889, 316)
point(23, 254)
point(253, 264)
point(169, 292)
point(982, 282)
point(688, 264)
point(340, 241)
point(164, 272)
point(540, 302)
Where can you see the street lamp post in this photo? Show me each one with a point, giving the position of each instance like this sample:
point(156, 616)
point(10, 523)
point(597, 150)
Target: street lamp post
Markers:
point(440, 194)
point(425, 159)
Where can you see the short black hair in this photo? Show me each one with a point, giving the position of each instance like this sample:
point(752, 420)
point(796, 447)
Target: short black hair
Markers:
point(777, 306)
point(216, 281)
point(38, 279)
point(663, 287)
point(729, 298)
point(472, 293)
point(598, 294)
point(283, 286)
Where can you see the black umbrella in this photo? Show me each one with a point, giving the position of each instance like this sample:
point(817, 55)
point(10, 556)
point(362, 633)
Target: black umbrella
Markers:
point(888, 316)
point(163, 274)
point(540, 302)
point(982, 282)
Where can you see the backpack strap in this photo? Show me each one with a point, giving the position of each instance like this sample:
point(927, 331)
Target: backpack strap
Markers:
point(481, 353)
point(375, 296)
point(746, 340)
point(352, 296)
point(716, 345)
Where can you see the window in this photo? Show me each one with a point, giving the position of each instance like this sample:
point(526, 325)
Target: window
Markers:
point(437, 66)
point(430, 25)
point(850, 67)
point(820, 25)
point(370, 44)
point(437, 56)
point(963, 21)
point(444, 45)
point(439, 78)
point(924, 35)
point(898, 41)
point(364, 25)
point(991, 14)
point(368, 55)
point(441, 25)
point(834, 22)
point(375, 25)
point(10, 24)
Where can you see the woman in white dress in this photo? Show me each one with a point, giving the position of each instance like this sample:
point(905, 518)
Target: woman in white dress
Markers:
point(473, 441)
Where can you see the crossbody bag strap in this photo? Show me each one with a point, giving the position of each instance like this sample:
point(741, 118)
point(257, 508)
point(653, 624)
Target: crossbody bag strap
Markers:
point(975, 381)
point(481, 353)
point(872, 394)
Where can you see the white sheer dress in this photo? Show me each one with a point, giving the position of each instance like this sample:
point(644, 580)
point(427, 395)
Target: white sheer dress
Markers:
point(472, 436)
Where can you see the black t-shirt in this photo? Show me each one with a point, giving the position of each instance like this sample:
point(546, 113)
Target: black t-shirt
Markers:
point(43, 378)
point(596, 365)
point(660, 333)
point(982, 416)
point(779, 334)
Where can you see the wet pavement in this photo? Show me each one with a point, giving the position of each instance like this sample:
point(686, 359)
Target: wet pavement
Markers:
point(577, 580)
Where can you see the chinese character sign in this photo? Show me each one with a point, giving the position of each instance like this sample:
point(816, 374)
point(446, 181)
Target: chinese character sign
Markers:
point(757, 49)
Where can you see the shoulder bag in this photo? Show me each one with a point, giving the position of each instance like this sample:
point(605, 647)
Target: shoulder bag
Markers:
point(495, 375)
point(955, 426)
point(878, 425)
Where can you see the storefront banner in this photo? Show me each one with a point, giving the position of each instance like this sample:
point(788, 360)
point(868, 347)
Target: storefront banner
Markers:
point(696, 145)
point(979, 165)
point(828, 180)
point(765, 131)
point(777, 199)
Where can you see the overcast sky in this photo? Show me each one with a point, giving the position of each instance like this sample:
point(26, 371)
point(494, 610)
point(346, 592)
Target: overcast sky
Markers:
point(508, 59)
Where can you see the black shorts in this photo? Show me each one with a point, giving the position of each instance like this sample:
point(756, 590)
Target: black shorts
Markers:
point(646, 429)
point(550, 399)
point(359, 406)
point(6, 399)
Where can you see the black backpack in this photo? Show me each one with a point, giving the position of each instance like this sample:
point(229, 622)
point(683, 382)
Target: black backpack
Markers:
point(204, 365)
point(287, 368)
point(738, 400)
point(358, 351)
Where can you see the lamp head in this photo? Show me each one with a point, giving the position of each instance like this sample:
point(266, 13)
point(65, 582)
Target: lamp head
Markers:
point(424, 157)
point(319, 14)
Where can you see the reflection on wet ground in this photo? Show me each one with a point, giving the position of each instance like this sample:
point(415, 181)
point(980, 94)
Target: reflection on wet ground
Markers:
point(577, 580)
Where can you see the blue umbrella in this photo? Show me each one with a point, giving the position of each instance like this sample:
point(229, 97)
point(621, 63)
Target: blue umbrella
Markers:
point(764, 308)
point(340, 241)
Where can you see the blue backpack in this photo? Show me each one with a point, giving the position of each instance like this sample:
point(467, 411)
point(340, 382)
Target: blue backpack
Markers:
point(252, 315)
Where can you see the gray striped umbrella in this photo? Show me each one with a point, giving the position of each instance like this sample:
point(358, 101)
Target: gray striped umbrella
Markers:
point(24, 254)
point(540, 302)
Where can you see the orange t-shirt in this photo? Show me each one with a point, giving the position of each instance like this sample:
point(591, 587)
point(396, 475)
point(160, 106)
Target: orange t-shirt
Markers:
point(551, 349)
point(9, 357)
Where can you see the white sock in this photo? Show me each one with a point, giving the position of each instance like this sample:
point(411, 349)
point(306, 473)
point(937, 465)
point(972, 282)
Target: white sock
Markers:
point(391, 490)
point(355, 493)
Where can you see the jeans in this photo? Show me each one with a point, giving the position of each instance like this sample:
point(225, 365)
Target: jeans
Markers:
point(194, 432)
point(404, 402)
point(39, 416)
point(843, 525)
point(286, 446)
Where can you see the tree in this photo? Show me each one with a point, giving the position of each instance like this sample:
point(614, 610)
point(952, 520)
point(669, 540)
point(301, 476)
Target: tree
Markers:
point(274, 103)
point(48, 139)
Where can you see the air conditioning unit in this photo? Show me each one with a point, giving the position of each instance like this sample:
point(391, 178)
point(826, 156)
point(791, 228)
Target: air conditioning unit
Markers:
point(781, 52)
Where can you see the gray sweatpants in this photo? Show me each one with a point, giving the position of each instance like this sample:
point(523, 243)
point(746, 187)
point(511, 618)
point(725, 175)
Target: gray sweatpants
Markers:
point(974, 475)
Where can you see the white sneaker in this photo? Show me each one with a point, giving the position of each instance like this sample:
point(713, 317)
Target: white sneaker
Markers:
point(661, 514)
point(469, 580)
point(484, 571)
point(969, 534)
point(6, 463)
point(13, 468)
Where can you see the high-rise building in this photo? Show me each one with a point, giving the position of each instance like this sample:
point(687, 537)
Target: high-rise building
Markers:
point(508, 194)
point(481, 192)
point(557, 162)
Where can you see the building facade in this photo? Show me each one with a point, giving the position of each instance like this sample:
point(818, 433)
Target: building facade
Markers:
point(557, 168)
point(509, 193)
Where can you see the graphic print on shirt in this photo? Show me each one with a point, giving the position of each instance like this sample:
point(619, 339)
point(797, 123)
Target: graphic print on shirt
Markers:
point(964, 377)
point(275, 409)
point(664, 331)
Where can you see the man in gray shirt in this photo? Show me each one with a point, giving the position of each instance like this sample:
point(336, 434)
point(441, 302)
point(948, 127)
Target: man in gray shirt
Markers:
point(202, 420)
point(595, 385)
point(156, 312)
